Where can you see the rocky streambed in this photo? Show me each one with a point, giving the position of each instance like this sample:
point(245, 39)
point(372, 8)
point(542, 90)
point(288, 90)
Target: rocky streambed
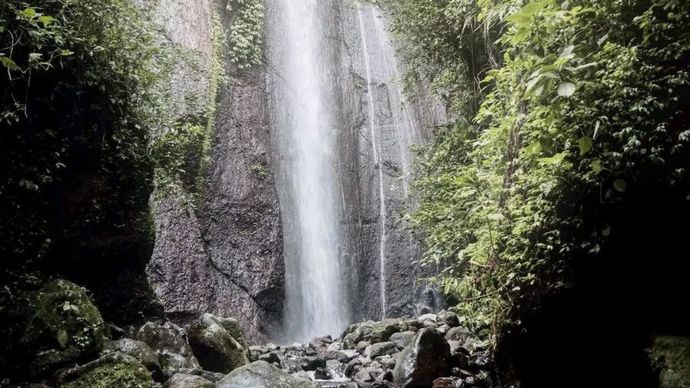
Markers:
point(64, 342)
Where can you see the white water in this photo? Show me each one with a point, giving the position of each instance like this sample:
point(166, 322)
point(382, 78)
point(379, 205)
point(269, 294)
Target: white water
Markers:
point(315, 302)
point(377, 161)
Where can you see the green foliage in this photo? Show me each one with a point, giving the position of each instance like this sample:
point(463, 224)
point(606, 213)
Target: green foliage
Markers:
point(182, 150)
point(81, 93)
point(587, 104)
point(245, 38)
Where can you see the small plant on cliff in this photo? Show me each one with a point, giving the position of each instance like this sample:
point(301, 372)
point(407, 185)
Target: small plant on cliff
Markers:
point(245, 37)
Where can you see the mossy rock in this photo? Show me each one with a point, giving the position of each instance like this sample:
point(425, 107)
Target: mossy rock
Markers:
point(372, 332)
point(64, 327)
point(671, 355)
point(112, 370)
point(214, 343)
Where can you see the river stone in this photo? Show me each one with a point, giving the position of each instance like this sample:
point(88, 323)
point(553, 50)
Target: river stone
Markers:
point(448, 318)
point(168, 341)
point(371, 332)
point(64, 327)
point(402, 339)
point(458, 333)
point(368, 376)
point(137, 349)
point(422, 361)
point(215, 346)
point(261, 374)
point(448, 382)
point(380, 349)
point(182, 380)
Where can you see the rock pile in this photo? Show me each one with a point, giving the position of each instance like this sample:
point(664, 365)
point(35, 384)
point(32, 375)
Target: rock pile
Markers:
point(434, 350)
point(67, 343)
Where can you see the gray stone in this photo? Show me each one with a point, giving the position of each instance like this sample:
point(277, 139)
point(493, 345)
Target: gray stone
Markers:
point(402, 339)
point(448, 318)
point(425, 359)
point(111, 370)
point(218, 343)
point(367, 376)
point(371, 331)
point(137, 349)
point(458, 333)
point(380, 349)
point(169, 342)
point(181, 380)
point(261, 374)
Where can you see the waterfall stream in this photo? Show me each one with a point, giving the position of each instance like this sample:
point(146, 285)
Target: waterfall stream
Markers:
point(315, 303)
point(341, 133)
point(377, 161)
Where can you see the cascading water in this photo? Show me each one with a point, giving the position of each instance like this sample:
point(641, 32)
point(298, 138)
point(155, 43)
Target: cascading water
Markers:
point(377, 161)
point(389, 117)
point(315, 303)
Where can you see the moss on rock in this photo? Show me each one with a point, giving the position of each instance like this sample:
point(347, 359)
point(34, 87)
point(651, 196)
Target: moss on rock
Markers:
point(671, 355)
point(114, 370)
point(64, 327)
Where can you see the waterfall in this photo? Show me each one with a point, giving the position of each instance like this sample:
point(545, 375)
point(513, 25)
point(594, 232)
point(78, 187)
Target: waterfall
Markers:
point(377, 161)
point(315, 302)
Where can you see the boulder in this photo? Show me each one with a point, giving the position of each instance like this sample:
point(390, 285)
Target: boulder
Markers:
point(321, 343)
point(182, 380)
point(448, 382)
point(372, 332)
point(423, 360)
point(312, 363)
point(368, 376)
point(261, 374)
point(168, 341)
point(111, 370)
point(137, 349)
point(458, 333)
point(213, 342)
point(64, 327)
point(448, 318)
point(402, 339)
point(380, 349)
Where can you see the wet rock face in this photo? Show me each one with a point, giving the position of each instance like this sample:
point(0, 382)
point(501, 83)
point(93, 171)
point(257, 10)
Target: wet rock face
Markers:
point(261, 374)
point(225, 258)
point(241, 223)
point(424, 360)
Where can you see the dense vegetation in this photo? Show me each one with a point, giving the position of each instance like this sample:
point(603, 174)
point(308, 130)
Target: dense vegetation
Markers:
point(82, 92)
point(568, 141)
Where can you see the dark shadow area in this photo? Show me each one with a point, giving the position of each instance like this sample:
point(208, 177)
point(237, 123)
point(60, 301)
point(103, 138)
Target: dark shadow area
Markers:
point(595, 332)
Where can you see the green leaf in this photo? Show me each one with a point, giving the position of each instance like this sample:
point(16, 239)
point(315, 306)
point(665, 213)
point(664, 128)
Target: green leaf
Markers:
point(553, 160)
point(596, 166)
point(28, 13)
point(46, 20)
point(620, 185)
point(585, 144)
point(566, 89)
point(62, 338)
point(8, 63)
